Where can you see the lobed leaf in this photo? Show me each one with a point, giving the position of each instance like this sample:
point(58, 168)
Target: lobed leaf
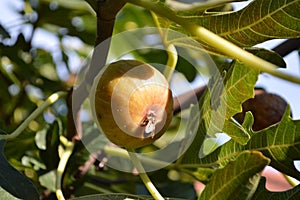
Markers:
point(227, 94)
point(220, 102)
point(238, 179)
point(280, 142)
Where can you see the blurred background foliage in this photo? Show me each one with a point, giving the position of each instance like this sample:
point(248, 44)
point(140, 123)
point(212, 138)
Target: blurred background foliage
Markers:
point(43, 49)
point(41, 52)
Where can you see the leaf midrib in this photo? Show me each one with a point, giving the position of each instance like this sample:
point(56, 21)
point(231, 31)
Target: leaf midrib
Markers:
point(232, 180)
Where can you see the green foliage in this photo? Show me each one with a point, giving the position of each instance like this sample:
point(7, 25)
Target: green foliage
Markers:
point(263, 193)
point(48, 157)
point(260, 21)
point(118, 197)
point(13, 182)
point(238, 179)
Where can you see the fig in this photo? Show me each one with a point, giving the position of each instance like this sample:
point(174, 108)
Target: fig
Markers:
point(132, 103)
point(266, 108)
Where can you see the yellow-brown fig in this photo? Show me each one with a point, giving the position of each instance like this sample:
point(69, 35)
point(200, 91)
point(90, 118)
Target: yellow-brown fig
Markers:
point(133, 103)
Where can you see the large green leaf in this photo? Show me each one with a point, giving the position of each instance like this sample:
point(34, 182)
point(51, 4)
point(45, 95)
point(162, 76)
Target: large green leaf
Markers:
point(13, 182)
point(222, 100)
point(280, 142)
point(227, 94)
point(263, 193)
point(260, 21)
point(238, 179)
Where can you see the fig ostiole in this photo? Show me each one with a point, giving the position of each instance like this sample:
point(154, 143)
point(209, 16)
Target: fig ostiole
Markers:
point(132, 102)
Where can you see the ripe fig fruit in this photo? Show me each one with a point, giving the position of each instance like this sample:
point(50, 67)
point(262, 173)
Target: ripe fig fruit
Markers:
point(267, 109)
point(133, 103)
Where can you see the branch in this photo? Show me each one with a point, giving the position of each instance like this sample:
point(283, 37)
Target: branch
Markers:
point(106, 13)
point(287, 46)
point(184, 100)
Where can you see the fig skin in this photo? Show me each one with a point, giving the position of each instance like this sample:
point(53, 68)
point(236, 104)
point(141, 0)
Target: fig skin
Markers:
point(266, 108)
point(133, 103)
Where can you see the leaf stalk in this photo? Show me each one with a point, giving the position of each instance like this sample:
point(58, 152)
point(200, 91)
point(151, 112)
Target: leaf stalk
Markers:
point(143, 175)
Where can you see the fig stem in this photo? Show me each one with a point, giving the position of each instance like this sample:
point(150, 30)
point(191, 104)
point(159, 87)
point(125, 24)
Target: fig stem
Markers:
point(143, 175)
point(171, 63)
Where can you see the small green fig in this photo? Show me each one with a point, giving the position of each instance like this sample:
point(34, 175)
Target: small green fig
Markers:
point(133, 103)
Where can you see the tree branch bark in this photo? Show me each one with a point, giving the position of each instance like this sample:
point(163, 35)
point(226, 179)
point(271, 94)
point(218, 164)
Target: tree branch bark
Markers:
point(287, 46)
point(106, 14)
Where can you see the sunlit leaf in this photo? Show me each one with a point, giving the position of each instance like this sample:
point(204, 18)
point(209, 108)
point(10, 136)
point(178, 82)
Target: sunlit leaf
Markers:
point(48, 180)
point(280, 142)
point(238, 179)
point(226, 97)
point(260, 21)
point(221, 101)
point(6, 195)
